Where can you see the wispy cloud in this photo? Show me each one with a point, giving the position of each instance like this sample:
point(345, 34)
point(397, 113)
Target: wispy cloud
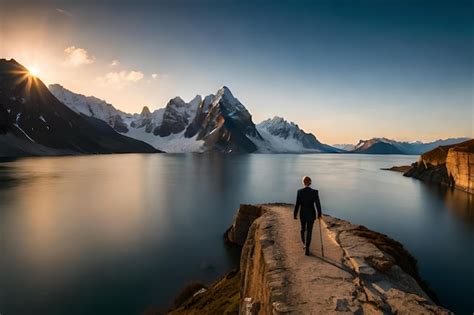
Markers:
point(64, 12)
point(120, 79)
point(76, 56)
point(114, 63)
point(155, 76)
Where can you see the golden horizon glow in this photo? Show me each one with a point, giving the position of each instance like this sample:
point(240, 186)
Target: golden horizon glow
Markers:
point(28, 77)
point(34, 71)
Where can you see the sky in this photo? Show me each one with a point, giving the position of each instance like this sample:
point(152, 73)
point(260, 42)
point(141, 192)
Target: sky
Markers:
point(343, 70)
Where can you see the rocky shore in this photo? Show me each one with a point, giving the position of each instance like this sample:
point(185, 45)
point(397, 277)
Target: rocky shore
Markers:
point(451, 165)
point(361, 271)
point(401, 169)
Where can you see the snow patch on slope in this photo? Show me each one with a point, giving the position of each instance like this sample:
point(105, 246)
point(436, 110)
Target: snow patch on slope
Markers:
point(281, 136)
point(174, 143)
point(88, 105)
point(275, 144)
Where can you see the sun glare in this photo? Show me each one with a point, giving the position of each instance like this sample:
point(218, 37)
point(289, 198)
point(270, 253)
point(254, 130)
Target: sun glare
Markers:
point(33, 71)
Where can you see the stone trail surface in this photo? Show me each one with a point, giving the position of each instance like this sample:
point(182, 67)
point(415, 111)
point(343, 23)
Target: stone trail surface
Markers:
point(353, 277)
point(310, 275)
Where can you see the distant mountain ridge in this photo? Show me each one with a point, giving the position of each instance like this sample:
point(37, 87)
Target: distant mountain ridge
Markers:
point(218, 122)
point(34, 122)
point(344, 146)
point(388, 146)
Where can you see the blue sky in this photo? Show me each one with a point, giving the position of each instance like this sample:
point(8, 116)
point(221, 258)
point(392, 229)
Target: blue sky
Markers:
point(344, 70)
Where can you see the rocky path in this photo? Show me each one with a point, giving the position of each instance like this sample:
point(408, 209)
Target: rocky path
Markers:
point(361, 271)
point(308, 289)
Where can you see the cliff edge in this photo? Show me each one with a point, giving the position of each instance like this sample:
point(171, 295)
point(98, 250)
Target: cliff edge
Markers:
point(361, 271)
point(451, 165)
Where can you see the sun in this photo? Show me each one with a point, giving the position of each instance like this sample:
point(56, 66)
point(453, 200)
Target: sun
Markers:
point(34, 71)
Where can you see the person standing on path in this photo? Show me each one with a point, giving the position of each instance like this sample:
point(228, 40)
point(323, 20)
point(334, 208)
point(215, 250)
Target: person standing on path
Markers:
point(306, 199)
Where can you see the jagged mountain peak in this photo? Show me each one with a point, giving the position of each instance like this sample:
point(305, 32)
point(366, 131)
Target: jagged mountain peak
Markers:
point(56, 86)
point(206, 102)
point(217, 122)
point(145, 111)
point(279, 120)
point(371, 141)
point(225, 94)
point(278, 124)
point(225, 91)
point(12, 62)
point(285, 136)
point(229, 105)
point(9, 60)
point(276, 119)
point(196, 100)
point(177, 101)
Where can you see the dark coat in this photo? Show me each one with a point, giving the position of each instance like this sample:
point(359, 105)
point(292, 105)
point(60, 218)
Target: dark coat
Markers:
point(306, 198)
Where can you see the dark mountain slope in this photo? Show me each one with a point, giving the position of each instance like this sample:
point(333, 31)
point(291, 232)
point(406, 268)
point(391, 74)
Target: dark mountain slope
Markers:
point(31, 113)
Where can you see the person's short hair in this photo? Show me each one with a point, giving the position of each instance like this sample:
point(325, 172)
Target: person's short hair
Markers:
point(306, 180)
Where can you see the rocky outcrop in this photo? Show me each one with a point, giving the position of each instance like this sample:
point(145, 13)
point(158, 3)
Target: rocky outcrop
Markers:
point(264, 277)
point(177, 116)
point(460, 166)
point(401, 169)
point(222, 297)
point(386, 277)
point(451, 165)
point(361, 272)
point(246, 215)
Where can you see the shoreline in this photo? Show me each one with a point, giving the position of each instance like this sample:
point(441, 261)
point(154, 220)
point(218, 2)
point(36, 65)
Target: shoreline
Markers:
point(401, 168)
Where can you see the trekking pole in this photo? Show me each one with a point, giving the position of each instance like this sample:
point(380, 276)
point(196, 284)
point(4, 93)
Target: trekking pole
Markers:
point(321, 236)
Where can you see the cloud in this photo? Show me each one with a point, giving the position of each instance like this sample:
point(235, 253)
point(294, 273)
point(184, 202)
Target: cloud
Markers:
point(120, 79)
point(64, 12)
point(155, 76)
point(114, 63)
point(76, 56)
point(134, 76)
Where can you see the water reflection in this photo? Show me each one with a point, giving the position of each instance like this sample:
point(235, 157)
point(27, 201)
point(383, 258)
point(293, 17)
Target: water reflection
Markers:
point(460, 203)
point(115, 234)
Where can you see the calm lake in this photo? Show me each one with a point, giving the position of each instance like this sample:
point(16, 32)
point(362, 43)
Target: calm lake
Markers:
point(116, 234)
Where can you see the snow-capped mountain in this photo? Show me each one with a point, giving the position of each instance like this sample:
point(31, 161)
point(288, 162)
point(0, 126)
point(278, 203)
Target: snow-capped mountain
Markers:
point(224, 124)
point(388, 146)
point(217, 122)
point(34, 122)
point(177, 116)
point(282, 136)
point(91, 106)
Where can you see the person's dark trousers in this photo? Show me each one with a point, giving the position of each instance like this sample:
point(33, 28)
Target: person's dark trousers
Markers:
point(306, 226)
